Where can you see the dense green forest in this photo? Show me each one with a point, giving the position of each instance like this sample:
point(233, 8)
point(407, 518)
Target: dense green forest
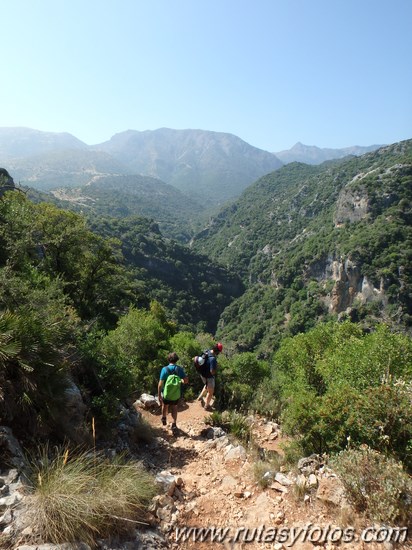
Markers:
point(194, 289)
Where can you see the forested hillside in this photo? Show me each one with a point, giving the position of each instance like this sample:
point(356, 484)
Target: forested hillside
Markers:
point(121, 196)
point(312, 242)
point(193, 289)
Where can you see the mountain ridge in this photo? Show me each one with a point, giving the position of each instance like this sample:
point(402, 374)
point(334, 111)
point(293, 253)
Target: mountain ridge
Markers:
point(211, 167)
point(311, 154)
point(20, 141)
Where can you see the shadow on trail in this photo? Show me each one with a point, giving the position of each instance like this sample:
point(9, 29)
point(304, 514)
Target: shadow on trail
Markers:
point(165, 452)
point(174, 450)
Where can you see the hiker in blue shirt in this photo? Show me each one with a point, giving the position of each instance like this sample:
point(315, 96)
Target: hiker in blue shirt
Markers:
point(169, 392)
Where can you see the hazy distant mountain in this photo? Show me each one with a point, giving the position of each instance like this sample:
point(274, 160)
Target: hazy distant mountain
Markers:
point(310, 154)
point(63, 168)
point(25, 142)
point(212, 166)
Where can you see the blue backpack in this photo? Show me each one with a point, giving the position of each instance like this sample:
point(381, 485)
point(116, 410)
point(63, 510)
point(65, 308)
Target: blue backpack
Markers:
point(173, 385)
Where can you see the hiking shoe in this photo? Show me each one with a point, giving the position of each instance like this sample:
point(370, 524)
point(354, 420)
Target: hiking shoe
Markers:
point(174, 429)
point(164, 420)
point(208, 408)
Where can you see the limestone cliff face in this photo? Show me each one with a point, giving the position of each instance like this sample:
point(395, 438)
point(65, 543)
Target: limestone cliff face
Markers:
point(349, 284)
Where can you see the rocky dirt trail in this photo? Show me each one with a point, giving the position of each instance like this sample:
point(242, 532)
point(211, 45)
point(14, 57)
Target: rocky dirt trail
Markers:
point(212, 485)
point(212, 495)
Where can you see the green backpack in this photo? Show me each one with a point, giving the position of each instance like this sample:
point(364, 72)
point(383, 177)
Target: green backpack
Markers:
point(173, 384)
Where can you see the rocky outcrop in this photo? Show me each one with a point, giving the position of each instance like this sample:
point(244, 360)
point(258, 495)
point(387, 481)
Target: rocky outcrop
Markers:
point(6, 182)
point(11, 454)
point(352, 206)
point(349, 283)
point(72, 418)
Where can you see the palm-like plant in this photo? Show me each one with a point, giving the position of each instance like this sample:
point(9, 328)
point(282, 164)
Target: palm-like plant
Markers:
point(10, 347)
point(32, 379)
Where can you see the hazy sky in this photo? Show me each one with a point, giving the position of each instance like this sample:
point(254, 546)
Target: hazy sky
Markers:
point(273, 72)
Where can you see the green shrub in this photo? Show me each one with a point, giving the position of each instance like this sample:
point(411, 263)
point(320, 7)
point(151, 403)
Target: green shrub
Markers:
point(239, 427)
point(385, 417)
point(337, 382)
point(380, 417)
point(139, 345)
point(375, 484)
point(33, 370)
point(215, 418)
point(267, 399)
point(364, 359)
point(236, 395)
point(237, 380)
point(247, 369)
point(300, 419)
point(189, 394)
point(127, 359)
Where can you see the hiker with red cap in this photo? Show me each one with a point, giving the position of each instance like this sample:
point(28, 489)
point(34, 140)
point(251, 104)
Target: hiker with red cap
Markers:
point(208, 373)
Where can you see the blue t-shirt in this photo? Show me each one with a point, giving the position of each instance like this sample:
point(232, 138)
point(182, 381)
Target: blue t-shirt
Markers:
point(172, 369)
point(211, 365)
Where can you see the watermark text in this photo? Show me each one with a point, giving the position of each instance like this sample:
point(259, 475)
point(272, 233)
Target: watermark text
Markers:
point(291, 535)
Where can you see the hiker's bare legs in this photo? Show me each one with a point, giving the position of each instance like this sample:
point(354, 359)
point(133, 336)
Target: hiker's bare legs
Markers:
point(210, 392)
point(164, 410)
point(174, 412)
point(202, 393)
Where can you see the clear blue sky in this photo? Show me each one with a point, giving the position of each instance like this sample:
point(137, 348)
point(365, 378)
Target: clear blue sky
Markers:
point(273, 72)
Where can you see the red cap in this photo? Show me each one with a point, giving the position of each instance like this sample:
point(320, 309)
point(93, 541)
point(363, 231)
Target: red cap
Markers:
point(219, 346)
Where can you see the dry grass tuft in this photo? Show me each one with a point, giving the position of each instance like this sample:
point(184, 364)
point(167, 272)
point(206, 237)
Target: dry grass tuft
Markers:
point(81, 497)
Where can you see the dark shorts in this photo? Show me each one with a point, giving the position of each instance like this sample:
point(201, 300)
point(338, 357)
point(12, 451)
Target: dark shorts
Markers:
point(170, 402)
